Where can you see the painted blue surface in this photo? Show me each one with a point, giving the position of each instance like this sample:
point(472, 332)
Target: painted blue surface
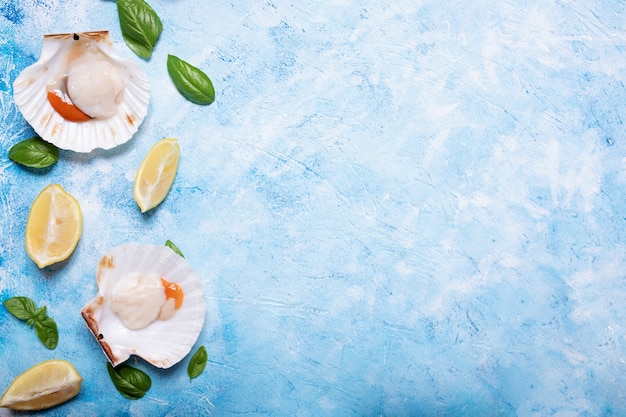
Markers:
point(396, 208)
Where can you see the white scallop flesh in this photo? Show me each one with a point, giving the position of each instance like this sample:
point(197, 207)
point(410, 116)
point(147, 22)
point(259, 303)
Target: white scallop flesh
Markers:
point(137, 299)
point(170, 333)
point(167, 310)
point(85, 67)
point(96, 88)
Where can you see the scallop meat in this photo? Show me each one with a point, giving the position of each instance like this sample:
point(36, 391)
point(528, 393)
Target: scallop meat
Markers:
point(80, 95)
point(149, 304)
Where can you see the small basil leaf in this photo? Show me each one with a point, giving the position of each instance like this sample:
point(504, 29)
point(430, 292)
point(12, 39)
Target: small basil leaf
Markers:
point(41, 313)
point(197, 363)
point(191, 82)
point(131, 382)
point(34, 153)
point(47, 332)
point(22, 308)
point(141, 26)
point(173, 247)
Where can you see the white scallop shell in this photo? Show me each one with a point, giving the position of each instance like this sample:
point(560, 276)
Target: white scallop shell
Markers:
point(57, 54)
point(163, 343)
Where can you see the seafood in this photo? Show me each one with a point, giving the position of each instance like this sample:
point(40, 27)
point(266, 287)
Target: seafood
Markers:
point(80, 95)
point(149, 304)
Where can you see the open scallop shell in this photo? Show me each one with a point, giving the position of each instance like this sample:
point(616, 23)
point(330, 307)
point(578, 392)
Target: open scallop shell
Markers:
point(163, 343)
point(58, 53)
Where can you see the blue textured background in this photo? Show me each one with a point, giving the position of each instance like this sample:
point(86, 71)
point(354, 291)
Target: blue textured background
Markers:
point(396, 208)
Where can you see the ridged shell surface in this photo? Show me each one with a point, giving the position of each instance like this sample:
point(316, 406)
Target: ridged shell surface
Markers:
point(163, 343)
point(59, 52)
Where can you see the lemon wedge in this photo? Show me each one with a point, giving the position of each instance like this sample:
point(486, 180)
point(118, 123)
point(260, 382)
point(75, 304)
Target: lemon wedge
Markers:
point(45, 385)
point(54, 226)
point(156, 174)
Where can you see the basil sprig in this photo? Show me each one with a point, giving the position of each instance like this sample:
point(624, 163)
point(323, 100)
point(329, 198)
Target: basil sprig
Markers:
point(173, 247)
point(131, 382)
point(34, 153)
point(25, 309)
point(141, 26)
point(191, 82)
point(197, 363)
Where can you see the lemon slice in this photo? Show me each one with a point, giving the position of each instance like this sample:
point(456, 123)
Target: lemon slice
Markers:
point(156, 174)
point(45, 385)
point(54, 226)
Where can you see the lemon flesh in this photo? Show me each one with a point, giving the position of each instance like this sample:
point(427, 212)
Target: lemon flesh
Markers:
point(54, 226)
point(156, 174)
point(43, 386)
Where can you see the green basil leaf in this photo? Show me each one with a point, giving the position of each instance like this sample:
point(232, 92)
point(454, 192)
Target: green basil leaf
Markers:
point(22, 308)
point(173, 247)
point(34, 153)
point(41, 313)
point(131, 382)
point(47, 332)
point(191, 82)
point(197, 363)
point(141, 26)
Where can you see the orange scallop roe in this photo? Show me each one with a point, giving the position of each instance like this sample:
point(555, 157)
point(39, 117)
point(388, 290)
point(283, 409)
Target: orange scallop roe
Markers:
point(173, 291)
point(64, 106)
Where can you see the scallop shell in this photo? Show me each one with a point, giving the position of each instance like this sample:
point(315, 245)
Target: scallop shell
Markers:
point(58, 52)
point(163, 343)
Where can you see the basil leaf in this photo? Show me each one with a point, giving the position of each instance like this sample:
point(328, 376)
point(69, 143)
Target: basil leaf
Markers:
point(141, 26)
point(47, 332)
point(173, 247)
point(191, 83)
point(22, 308)
point(197, 363)
point(131, 382)
point(41, 313)
point(34, 153)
